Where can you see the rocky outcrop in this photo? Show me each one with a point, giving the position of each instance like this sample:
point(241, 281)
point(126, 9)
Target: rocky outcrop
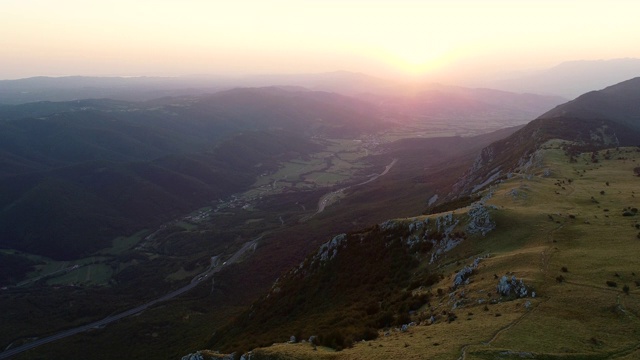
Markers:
point(512, 287)
point(480, 219)
point(195, 356)
point(462, 276)
point(329, 249)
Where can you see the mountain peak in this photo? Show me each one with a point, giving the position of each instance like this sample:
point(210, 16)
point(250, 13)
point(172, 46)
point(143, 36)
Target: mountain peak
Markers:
point(619, 103)
point(595, 120)
point(573, 78)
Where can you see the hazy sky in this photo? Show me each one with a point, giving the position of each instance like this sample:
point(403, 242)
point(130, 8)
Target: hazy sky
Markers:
point(411, 38)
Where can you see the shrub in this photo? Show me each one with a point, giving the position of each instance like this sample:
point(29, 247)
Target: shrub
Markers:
point(372, 308)
point(612, 283)
point(385, 320)
point(559, 278)
point(336, 340)
point(369, 334)
point(403, 318)
point(564, 269)
point(417, 301)
point(625, 288)
point(451, 317)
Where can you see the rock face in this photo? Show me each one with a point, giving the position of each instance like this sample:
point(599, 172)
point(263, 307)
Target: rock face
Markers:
point(447, 239)
point(329, 249)
point(462, 277)
point(326, 252)
point(480, 219)
point(438, 231)
point(513, 287)
point(194, 356)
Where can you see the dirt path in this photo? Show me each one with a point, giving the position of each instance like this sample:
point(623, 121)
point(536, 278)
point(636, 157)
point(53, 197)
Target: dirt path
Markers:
point(544, 267)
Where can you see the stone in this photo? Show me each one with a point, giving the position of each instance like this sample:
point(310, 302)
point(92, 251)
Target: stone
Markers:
point(194, 356)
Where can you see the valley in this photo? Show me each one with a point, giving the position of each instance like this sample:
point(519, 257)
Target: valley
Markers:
point(300, 180)
point(330, 219)
point(285, 199)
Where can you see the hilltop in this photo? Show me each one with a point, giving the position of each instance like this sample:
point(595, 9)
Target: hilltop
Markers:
point(562, 233)
point(619, 103)
point(571, 78)
point(596, 120)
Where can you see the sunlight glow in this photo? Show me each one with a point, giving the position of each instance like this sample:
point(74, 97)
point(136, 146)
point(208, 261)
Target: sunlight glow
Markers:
point(172, 37)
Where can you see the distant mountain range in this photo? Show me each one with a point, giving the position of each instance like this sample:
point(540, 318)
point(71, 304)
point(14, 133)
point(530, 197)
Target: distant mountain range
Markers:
point(572, 78)
point(460, 104)
point(420, 102)
point(568, 80)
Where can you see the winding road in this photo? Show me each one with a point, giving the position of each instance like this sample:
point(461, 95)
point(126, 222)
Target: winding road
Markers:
point(329, 198)
point(109, 319)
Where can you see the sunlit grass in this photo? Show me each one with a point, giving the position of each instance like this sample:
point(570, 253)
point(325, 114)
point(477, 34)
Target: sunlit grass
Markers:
point(568, 241)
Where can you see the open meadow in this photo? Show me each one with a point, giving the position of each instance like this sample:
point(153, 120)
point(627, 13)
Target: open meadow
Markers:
point(569, 229)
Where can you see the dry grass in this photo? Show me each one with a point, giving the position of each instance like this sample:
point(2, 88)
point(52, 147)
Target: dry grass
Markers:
point(549, 223)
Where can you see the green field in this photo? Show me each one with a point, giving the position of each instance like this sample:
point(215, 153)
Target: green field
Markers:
point(326, 178)
point(92, 270)
point(124, 243)
point(94, 274)
point(339, 161)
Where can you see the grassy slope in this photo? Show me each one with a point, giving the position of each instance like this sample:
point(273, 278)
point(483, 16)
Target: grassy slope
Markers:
point(581, 317)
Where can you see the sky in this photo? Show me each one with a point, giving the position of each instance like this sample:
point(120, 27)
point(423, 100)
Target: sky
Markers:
point(411, 39)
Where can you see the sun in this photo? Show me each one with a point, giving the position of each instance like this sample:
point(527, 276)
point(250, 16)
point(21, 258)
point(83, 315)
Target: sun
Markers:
point(415, 58)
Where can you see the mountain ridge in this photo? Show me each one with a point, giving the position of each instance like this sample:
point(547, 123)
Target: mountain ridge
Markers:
point(604, 118)
point(572, 78)
point(555, 151)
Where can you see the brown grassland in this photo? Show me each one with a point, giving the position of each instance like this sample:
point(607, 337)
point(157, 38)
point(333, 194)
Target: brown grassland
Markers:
point(570, 230)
